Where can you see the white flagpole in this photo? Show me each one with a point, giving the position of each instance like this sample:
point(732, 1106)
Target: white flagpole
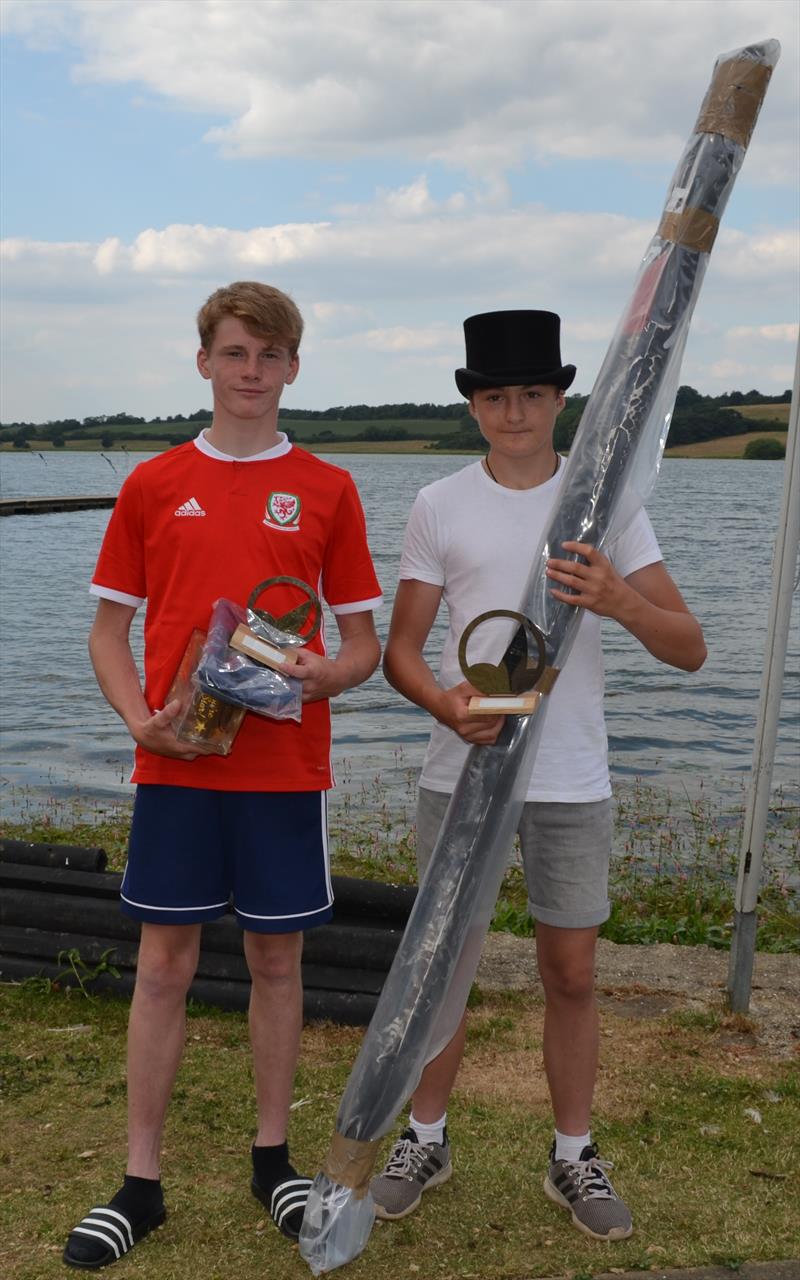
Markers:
point(743, 941)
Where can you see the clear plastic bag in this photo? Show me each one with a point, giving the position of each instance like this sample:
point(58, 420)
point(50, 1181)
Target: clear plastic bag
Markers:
point(336, 1225)
point(241, 681)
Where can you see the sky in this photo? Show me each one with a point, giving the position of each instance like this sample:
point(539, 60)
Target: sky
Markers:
point(395, 165)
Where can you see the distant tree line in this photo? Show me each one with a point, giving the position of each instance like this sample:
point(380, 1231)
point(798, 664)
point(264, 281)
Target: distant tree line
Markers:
point(104, 427)
point(369, 433)
point(744, 397)
point(696, 417)
point(382, 412)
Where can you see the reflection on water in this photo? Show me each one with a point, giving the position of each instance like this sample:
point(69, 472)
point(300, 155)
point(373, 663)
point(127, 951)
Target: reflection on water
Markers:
point(716, 524)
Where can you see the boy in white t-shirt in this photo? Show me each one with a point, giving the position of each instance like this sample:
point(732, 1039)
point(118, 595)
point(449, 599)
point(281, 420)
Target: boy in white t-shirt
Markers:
point(469, 542)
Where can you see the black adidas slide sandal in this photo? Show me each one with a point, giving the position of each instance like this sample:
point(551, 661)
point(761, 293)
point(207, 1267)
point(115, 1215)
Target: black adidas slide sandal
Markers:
point(112, 1234)
point(286, 1203)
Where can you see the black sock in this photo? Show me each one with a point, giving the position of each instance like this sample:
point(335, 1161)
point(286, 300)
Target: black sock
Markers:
point(271, 1165)
point(271, 1169)
point(138, 1198)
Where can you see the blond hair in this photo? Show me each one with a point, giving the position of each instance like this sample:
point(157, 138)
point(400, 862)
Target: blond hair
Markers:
point(264, 311)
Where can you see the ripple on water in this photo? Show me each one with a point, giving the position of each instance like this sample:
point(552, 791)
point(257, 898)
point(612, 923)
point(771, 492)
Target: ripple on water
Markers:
point(664, 725)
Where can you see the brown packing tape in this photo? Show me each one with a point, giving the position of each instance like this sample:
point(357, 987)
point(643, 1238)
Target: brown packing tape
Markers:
point(694, 228)
point(350, 1163)
point(734, 99)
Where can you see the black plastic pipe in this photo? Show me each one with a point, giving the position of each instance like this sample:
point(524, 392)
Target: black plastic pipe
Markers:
point(35, 853)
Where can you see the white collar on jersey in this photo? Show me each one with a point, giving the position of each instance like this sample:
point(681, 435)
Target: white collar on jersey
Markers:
point(283, 446)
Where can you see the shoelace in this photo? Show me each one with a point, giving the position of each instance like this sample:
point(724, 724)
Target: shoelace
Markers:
point(592, 1180)
point(405, 1159)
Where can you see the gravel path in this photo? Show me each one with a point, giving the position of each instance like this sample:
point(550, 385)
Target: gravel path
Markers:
point(645, 981)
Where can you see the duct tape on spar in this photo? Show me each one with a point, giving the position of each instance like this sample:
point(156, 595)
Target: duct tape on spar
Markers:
point(612, 467)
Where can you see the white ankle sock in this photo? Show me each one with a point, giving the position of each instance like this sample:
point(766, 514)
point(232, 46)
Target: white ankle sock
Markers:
point(569, 1147)
point(429, 1132)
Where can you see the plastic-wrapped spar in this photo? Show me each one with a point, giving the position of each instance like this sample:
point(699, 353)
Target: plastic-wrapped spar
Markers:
point(613, 462)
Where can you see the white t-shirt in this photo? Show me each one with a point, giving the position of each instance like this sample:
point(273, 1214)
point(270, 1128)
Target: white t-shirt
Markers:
point(476, 539)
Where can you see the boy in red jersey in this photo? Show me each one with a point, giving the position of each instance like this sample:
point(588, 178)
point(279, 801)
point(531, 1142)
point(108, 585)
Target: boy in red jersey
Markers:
point(213, 518)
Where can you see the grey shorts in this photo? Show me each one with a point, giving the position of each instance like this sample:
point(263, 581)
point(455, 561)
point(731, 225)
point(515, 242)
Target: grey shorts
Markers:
point(565, 855)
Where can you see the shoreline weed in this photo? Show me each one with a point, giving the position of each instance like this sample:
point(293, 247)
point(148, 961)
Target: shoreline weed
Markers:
point(673, 870)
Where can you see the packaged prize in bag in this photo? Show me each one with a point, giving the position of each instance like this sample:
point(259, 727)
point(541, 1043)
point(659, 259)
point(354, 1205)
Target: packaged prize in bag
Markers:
point(243, 663)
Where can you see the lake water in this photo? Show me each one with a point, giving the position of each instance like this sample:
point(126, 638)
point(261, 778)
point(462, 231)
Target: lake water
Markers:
point(715, 521)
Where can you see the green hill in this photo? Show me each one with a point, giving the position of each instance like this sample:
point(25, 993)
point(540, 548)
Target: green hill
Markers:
point(697, 420)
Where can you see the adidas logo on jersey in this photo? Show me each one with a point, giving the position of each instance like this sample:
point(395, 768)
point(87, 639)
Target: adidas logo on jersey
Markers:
point(190, 508)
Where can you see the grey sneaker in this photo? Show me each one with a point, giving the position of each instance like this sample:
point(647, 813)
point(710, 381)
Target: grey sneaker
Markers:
point(413, 1167)
point(582, 1187)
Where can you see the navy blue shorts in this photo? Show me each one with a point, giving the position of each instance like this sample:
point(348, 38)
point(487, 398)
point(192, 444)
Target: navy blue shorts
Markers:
point(192, 852)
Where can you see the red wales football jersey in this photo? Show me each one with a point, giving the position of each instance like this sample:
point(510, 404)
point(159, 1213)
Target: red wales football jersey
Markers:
point(192, 525)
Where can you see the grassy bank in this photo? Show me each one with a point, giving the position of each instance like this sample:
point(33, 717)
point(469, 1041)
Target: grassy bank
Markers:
point(700, 1122)
point(132, 445)
point(723, 446)
point(362, 434)
point(700, 1126)
point(764, 412)
point(673, 873)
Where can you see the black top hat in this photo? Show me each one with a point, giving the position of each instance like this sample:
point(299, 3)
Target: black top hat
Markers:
point(513, 349)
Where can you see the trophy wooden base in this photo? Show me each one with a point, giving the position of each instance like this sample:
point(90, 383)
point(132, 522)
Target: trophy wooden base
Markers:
point(269, 655)
point(502, 705)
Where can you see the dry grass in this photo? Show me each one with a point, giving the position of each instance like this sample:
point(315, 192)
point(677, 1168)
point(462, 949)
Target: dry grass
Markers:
point(759, 412)
point(700, 1125)
point(136, 445)
point(129, 444)
point(365, 446)
point(724, 446)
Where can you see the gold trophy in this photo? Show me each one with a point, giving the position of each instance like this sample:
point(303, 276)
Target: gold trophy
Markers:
point(516, 684)
point(263, 649)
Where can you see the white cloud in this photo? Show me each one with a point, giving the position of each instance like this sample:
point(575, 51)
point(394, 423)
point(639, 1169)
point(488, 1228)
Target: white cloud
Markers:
point(479, 85)
point(410, 201)
point(15, 248)
point(402, 339)
point(385, 281)
point(588, 330)
point(187, 250)
point(326, 313)
point(373, 252)
point(769, 332)
point(730, 370)
point(368, 255)
point(751, 256)
point(520, 249)
point(44, 26)
point(114, 321)
point(741, 375)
